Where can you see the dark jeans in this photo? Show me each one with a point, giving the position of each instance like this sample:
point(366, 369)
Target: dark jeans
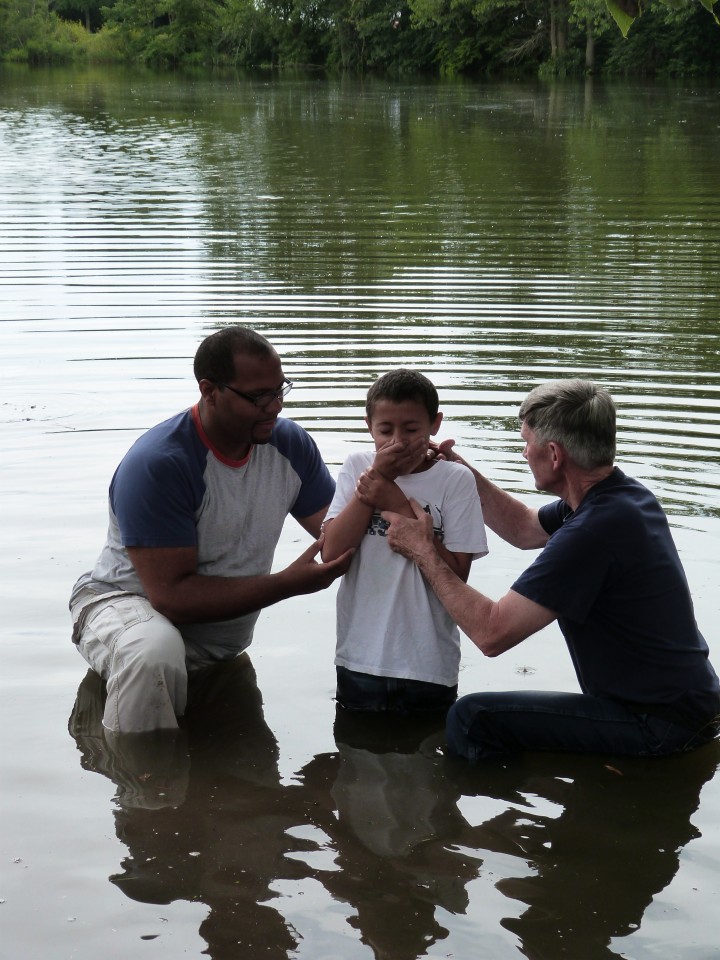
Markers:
point(363, 691)
point(483, 725)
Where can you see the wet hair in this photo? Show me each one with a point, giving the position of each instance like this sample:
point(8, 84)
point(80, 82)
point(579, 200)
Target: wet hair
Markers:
point(400, 385)
point(577, 414)
point(215, 357)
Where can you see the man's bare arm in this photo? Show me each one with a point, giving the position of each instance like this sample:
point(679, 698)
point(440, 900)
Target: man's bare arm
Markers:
point(175, 588)
point(509, 518)
point(313, 523)
point(493, 626)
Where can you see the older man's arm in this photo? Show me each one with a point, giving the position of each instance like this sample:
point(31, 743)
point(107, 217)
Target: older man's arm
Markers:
point(493, 625)
point(514, 521)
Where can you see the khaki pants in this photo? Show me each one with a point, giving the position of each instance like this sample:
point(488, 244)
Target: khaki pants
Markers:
point(141, 656)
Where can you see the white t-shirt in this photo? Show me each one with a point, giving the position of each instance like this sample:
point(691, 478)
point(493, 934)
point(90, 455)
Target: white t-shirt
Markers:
point(389, 622)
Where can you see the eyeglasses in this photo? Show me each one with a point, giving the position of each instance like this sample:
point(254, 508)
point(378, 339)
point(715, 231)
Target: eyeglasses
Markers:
point(265, 397)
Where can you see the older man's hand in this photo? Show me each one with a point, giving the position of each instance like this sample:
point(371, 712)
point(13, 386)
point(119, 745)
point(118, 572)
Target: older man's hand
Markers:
point(413, 538)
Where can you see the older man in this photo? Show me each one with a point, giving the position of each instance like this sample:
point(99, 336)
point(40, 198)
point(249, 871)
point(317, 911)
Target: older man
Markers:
point(609, 573)
point(196, 509)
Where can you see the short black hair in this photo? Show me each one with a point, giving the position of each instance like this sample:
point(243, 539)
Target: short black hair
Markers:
point(215, 357)
point(403, 384)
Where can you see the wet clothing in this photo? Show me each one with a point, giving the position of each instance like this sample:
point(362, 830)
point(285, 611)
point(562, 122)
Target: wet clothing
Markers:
point(389, 623)
point(612, 573)
point(173, 489)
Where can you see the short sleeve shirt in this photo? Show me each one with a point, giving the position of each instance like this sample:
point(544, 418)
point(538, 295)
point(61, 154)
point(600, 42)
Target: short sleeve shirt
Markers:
point(611, 572)
point(389, 622)
point(173, 489)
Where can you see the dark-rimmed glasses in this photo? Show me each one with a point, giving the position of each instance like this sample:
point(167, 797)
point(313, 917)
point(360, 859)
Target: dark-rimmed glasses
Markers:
point(265, 397)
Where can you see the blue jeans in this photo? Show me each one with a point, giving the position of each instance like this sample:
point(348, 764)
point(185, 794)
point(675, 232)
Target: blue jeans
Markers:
point(363, 691)
point(483, 725)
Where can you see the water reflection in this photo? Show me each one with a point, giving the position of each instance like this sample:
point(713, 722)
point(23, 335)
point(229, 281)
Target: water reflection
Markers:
point(600, 838)
point(216, 830)
point(394, 822)
point(494, 235)
point(389, 828)
point(490, 235)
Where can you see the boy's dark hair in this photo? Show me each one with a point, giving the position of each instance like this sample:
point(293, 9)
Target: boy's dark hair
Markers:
point(215, 357)
point(400, 385)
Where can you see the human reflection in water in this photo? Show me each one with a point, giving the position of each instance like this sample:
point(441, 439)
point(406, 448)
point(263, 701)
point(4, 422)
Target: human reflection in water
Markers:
point(205, 818)
point(600, 838)
point(202, 812)
point(393, 820)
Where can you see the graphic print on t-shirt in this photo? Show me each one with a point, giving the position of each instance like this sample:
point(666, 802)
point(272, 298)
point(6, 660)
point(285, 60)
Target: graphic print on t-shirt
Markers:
point(378, 527)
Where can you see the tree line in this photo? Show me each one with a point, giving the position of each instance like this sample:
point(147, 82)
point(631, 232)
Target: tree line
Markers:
point(500, 38)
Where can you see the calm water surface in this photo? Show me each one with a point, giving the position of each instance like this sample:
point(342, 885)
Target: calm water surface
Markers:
point(492, 236)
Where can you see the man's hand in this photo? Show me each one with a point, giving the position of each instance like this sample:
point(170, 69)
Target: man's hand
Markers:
point(397, 458)
point(306, 575)
point(413, 538)
point(493, 626)
point(444, 451)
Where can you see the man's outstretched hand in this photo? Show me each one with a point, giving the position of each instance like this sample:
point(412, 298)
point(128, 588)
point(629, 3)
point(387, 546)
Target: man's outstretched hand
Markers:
point(307, 575)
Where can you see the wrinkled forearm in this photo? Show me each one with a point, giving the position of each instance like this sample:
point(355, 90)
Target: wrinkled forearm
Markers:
point(494, 626)
point(472, 611)
point(509, 518)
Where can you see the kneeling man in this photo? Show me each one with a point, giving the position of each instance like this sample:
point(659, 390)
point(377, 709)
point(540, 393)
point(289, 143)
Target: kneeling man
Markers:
point(609, 573)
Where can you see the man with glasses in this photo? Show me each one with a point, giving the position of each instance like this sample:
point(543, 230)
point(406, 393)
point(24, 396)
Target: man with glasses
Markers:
point(196, 510)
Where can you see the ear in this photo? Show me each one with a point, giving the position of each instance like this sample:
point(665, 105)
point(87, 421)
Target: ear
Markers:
point(435, 425)
point(208, 391)
point(557, 454)
point(368, 423)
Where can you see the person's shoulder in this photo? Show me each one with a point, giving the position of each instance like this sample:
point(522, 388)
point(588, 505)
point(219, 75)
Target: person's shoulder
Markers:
point(452, 467)
point(298, 452)
point(456, 473)
point(621, 492)
point(363, 458)
point(616, 508)
point(168, 461)
point(168, 443)
point(175, 429)
point(289, 435)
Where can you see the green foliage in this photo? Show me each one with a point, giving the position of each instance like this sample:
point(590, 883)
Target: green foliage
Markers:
point(86, 12)
point(245, 36)
point(623, 14)
point(666, 41)
point(167, 32)
point(546, 38)
point(35, 34)
point(484, 36)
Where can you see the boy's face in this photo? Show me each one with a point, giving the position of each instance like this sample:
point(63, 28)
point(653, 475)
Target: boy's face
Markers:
point(402, 423)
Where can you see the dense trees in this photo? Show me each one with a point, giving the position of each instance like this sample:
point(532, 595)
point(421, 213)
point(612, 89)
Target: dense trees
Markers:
point(449, 37)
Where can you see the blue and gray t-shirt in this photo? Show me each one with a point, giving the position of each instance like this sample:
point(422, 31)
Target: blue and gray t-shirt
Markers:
point(172, 489)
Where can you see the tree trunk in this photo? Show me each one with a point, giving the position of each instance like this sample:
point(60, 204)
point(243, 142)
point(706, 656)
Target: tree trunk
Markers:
point(590, 48)
point(562, 26)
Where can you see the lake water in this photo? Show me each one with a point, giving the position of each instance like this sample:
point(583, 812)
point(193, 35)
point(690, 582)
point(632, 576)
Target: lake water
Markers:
point(493, 236)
